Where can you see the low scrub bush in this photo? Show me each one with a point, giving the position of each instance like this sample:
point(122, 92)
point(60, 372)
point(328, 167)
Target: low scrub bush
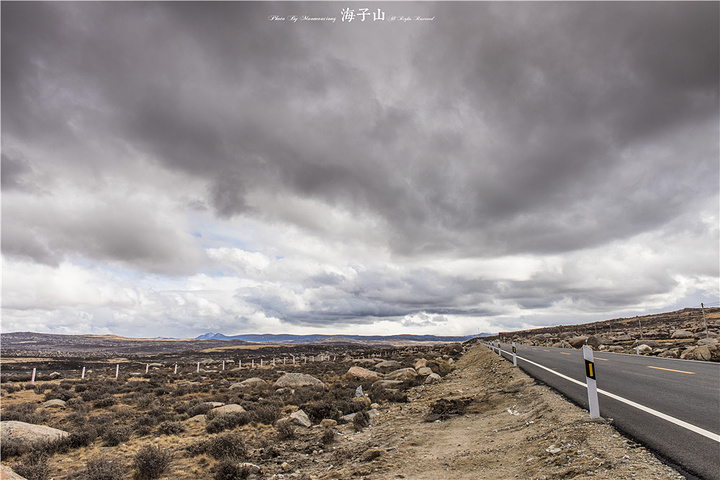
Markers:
point(116, 434)
point(25, 412)
point(150, 462)
point(360, 421)
point(35, 466)
point(224, 445)
point(170, 428)
point(104, 402)
point(102, 469)
point(228, 421)
point(266, 414)
point(230, 469)
point(328, 436)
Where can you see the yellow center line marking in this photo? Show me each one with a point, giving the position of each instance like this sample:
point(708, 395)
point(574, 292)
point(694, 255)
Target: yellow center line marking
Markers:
point(604, 359)
point(671, 370)
point(545, 350)
point(565, 353)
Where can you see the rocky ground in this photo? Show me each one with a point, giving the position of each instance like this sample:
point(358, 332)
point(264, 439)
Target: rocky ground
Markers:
point(691, 333)
point(476, 417)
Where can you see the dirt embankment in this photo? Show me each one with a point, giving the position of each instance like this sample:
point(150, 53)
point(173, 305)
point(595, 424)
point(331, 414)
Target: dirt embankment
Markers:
point(495, 422)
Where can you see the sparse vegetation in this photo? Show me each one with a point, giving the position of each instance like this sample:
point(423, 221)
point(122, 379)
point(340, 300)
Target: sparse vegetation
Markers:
point(103, 469)
point(150, 462)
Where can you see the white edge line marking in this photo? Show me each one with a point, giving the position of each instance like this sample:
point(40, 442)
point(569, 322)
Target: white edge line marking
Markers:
point(668, 418)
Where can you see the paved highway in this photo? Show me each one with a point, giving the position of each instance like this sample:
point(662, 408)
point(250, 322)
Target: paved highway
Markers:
point(671, 406)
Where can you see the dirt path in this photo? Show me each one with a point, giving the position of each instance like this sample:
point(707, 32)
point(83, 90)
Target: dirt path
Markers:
point(511, 428)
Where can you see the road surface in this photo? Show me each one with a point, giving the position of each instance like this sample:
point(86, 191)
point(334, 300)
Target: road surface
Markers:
point(671, 406)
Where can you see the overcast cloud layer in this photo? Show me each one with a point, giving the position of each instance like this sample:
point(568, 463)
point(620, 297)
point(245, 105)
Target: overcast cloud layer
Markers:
point(174, 168)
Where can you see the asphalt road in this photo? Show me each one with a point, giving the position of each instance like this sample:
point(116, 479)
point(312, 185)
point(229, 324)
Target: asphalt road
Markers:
point(677, 402)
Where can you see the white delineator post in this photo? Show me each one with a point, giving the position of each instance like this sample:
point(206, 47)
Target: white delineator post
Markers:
point(32, 381)
point(176, 369)
point(223, 364)
point(514, 354)
point(117, 371)
point(198, 367)
point(147, 367)
point(591, 383)
point(499, 351)
point(82, 376)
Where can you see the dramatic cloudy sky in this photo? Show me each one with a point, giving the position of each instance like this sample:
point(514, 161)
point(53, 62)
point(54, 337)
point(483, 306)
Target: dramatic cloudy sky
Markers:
point(174, 168)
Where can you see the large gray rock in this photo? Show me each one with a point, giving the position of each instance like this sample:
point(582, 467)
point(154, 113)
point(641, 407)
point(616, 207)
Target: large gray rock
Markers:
point(254, 382)
point(402, 374)
point(387, 384)
point(22, 433)
point(7, 473)
point(363, 374)
point(708, 341)
point(681, 334)
point(433, 378)
point(388, 365)
point(225, 409)
point(296, 380)
point(54, 403)
point(300, 418)
point(424, 371)
point(577, 342)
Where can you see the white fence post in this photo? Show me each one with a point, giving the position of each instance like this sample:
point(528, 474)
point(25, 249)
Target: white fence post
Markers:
point(591, 383)
point(514, 354)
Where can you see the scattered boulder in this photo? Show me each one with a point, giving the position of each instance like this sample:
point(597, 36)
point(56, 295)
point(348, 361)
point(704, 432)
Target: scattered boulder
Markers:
point(441, 367)
point(225, 409)
point(622, 338)
point(705, 353)
point(362, 402)
point(295, 380)
point(452, 349)
point(679, 334)
point(433, 378)
point(388, 365)
point(7, 473)
point(365, 361)
point(651, 343)
point(55, 375)
point(403, 374)
point(577, 342)
point(420, 363)
point(387, 384)
point(708, 341)
point(424, 371)
point(197, 419)
point(328, 423)
point(363, 374)
point(253, 382)
point(300, 418)
point(644, 349)
point(55, 403)
point(22, 433)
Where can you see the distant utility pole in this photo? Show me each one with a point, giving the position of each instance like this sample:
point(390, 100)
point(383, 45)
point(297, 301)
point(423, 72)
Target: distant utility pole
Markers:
point(702, 307)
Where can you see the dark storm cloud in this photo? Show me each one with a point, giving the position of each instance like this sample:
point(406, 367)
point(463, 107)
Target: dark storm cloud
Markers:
point(498, 129)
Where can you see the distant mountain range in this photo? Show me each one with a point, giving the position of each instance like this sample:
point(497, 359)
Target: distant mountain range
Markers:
point(365, 339)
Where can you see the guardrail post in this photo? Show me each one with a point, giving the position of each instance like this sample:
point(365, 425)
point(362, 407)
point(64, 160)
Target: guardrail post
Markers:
point(591, 383)
point(514, 354)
